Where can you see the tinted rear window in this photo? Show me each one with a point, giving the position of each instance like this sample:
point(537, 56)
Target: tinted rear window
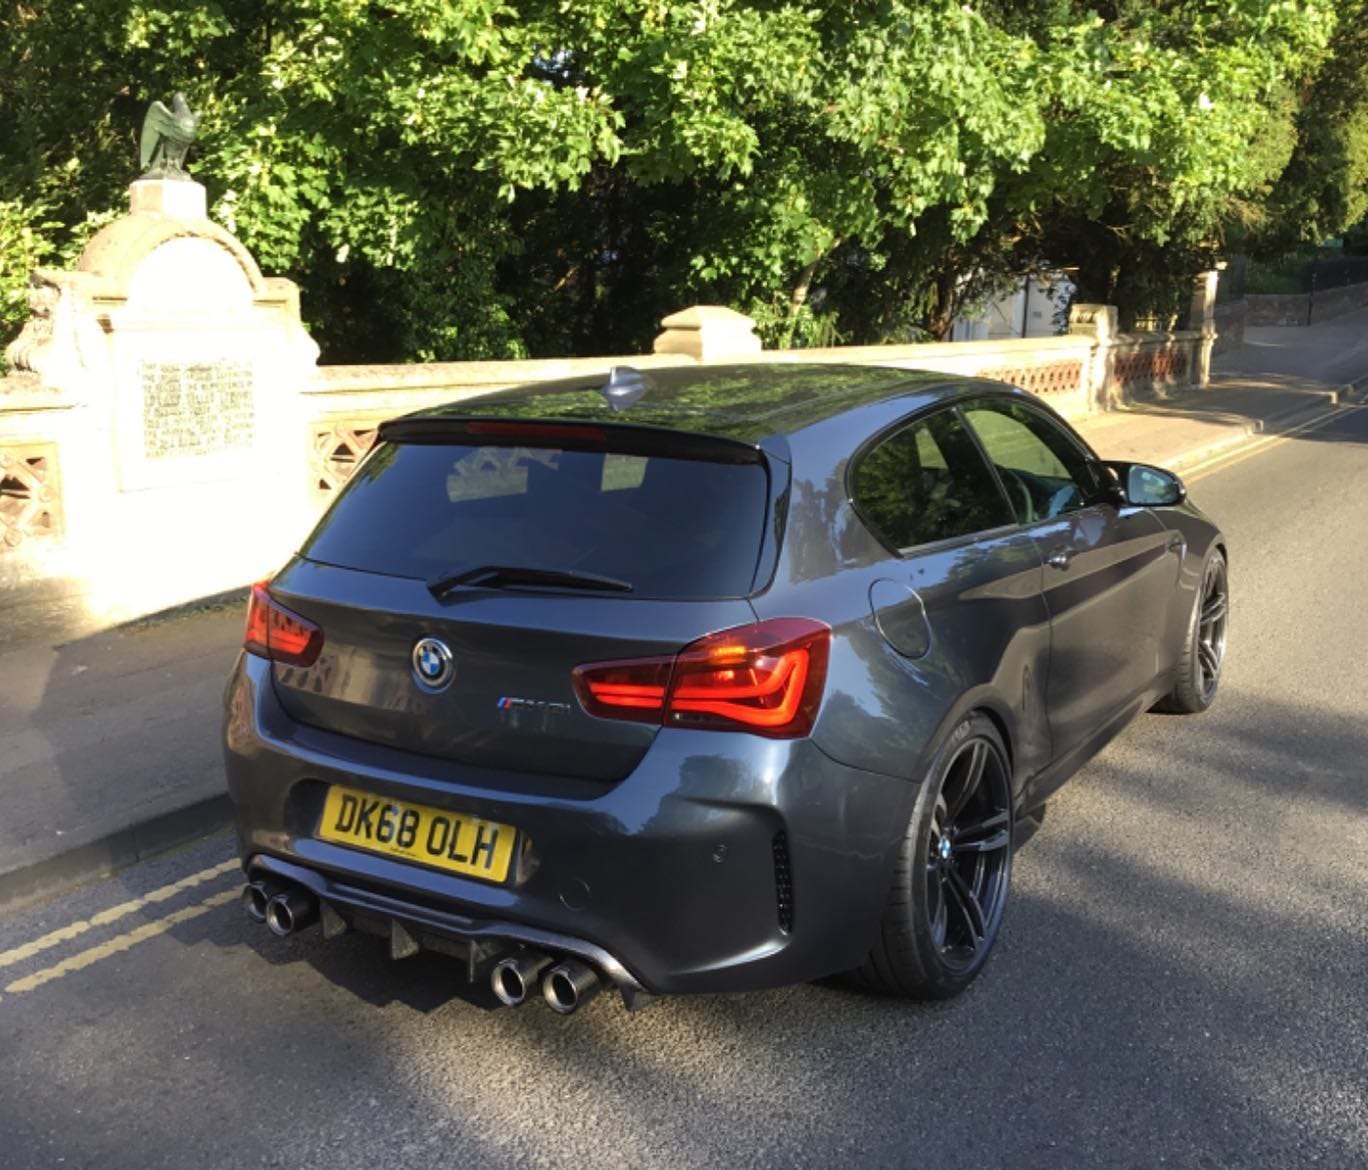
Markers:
point(683, 528)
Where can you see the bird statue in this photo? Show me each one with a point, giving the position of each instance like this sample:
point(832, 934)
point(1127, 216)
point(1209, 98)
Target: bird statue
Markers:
point(166, 136)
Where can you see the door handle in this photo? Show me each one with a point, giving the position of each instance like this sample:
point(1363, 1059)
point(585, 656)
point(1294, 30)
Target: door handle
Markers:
point(1059, 559)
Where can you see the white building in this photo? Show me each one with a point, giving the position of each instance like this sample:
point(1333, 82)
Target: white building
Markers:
point(1031, 311)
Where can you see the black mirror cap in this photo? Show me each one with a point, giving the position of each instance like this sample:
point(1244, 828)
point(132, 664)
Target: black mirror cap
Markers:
point(1142, 485)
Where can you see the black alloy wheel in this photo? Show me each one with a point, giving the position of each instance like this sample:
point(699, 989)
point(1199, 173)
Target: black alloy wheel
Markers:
point(969, 854)
point(1198, 676)
point(1211, 626)
point(950, 885)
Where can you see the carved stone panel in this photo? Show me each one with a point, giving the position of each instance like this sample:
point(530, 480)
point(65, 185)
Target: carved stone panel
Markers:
point(1054, 378)
point(30, 495)
point(335, 451)
point(1152, 364)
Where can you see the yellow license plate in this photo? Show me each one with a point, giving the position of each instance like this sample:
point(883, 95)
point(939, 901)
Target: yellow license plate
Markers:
point(417, 832)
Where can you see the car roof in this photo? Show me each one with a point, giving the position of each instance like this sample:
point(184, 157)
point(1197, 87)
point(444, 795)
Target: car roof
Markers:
point(745, 402)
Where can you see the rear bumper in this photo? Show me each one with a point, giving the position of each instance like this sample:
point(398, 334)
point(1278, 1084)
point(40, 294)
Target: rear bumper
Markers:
point(722, 863)
point(478, 941)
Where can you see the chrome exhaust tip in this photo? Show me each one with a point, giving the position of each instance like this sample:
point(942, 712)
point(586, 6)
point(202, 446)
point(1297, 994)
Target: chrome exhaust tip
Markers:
point(569, 985)
point(291, 910)
point(513, 978)
point(255, 897)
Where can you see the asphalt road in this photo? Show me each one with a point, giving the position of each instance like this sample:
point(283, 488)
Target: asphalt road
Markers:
point(1334, 351)
point(1182, 979)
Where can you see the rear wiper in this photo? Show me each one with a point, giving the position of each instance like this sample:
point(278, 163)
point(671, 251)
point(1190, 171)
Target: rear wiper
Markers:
point(500, 575)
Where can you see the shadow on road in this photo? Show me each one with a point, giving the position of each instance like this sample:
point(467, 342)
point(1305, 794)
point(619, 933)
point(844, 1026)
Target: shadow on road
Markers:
point(1180, 981)
point(1262, 398)
point(103, 732)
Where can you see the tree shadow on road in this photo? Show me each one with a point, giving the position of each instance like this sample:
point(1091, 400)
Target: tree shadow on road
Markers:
point(1274, 400)
point(1180, 981)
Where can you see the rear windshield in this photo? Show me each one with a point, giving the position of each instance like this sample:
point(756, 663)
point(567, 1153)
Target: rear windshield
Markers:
point(684, 528)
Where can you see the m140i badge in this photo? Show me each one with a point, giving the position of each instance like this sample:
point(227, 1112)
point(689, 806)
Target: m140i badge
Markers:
point(433, 665)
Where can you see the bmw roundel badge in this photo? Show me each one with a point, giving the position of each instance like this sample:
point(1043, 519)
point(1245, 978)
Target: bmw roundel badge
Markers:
point(433, 666)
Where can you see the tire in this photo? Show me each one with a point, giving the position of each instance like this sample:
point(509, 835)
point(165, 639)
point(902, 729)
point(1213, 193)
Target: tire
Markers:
point(1198, 675)
point(949, 888)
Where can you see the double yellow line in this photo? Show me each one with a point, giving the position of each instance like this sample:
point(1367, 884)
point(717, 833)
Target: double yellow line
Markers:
point(1225, 459)
point(121, 942)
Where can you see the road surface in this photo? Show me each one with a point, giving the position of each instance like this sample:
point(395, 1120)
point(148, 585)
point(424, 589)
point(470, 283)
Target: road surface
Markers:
point(1182, 978)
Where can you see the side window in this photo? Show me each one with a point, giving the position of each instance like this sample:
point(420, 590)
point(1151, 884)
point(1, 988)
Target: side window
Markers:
point(927, 482)
point(1043, 470)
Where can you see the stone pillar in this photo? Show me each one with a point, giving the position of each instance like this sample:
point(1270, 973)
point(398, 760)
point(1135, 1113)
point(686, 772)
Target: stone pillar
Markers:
point(1202, 317)
point(709, 333)
point(181, 474)
point(1100, 323)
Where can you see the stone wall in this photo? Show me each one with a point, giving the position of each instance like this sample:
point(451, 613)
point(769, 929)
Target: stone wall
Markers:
point(1305, 308)
point(1093, 368)
point(166, 433)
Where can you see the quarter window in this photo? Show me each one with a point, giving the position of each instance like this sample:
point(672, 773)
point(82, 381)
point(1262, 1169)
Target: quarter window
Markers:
point(1045, 473)
point(927, 482)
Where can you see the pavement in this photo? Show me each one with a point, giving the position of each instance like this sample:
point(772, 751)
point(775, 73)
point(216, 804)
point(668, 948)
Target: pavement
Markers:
point(109, 739)
point(109, 747)
point(1179, 982)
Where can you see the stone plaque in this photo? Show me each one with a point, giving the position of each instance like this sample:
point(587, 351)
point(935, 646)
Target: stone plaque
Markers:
point(196, 408)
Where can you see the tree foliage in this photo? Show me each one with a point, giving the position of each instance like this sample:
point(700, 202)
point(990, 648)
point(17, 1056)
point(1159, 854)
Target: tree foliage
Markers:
point(474, 178)
point(1324, 188)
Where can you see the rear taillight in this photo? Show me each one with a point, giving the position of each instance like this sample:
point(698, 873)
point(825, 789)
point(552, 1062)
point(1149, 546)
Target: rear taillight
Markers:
point(278, 633)
point(766, 678)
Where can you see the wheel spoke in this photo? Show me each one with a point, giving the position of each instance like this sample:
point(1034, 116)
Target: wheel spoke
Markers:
point(984, 836)
point(968, 905)
point(1207, 657)
point(936, 904)
point(973, 774)
point(1213, 609)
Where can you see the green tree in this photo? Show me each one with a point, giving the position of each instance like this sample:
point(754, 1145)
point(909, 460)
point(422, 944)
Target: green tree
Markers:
point(469, 179)
point(1165, 121)
point(1324, 189)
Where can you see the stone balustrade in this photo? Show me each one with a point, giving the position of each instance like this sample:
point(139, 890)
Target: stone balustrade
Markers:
point(166, 433)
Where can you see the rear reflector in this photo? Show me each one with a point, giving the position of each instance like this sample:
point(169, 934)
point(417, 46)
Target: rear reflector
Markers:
point(278, 633)
point(765, 678)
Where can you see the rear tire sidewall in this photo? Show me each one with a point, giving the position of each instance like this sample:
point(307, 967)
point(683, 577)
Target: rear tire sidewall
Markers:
point(1189, 696)
point(931, 975)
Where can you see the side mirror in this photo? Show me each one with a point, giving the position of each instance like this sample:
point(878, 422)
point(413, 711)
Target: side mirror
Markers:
point(1145, 486)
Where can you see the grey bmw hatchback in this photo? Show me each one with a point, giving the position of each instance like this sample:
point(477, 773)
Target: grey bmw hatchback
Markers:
point(707, 679)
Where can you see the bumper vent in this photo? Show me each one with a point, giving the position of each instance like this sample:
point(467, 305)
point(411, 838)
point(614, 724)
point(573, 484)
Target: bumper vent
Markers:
point(783, 881)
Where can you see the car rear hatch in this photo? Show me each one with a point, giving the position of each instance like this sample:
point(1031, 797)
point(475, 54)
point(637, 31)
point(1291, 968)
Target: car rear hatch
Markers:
point(526, 549)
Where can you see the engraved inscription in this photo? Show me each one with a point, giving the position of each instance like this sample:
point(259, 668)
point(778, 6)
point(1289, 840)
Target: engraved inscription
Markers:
point(196, 408)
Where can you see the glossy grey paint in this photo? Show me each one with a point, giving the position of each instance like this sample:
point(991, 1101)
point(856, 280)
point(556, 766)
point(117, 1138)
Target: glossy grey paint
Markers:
point(988, 628)
point(511, 703)
point(639, 816)
point(639, 860)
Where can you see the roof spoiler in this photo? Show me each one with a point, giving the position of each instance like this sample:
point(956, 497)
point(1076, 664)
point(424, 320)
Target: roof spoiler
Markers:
point(569, 434)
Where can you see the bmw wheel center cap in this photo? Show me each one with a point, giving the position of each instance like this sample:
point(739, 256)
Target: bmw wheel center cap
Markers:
point(433, 665)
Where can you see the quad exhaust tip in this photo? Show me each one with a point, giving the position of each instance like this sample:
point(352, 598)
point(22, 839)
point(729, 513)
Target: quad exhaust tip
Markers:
point(291, 910)
point(569, 985)
point(255, 897)
point(514, 978)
